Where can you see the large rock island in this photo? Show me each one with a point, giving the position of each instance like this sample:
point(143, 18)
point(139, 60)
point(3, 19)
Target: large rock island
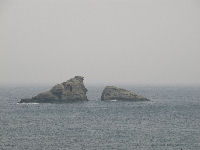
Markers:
point(69, 91)
point(114, 93)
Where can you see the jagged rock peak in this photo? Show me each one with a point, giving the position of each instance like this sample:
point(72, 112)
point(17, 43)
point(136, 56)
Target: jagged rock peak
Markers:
point(71, 90)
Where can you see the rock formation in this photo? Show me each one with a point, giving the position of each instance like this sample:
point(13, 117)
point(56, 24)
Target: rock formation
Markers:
point(114, 93)
point(69, 91)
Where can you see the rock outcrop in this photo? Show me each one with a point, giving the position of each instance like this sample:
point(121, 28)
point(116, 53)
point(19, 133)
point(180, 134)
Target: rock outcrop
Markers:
point(114, 93)
point(69, 91)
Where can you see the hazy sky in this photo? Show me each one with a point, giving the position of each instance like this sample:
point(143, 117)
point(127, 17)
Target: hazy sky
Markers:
point(106, 41)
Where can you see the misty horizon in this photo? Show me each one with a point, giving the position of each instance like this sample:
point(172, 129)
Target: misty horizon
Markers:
point(110, 42)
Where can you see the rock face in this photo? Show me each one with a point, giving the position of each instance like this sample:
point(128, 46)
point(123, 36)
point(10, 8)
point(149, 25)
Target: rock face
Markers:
point(114, 93)
point(69, 91)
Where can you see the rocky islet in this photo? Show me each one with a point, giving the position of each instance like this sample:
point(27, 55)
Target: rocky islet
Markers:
point(74, 90)
point(115, 93)
point(69, 91)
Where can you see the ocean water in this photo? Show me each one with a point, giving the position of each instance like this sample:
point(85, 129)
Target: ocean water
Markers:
point(170, 121)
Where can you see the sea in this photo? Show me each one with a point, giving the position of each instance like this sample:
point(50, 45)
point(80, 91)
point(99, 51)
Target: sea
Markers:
point(170, 121)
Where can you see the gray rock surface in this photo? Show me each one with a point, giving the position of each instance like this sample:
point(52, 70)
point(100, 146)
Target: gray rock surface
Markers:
point(69, 91)
point(114, 93)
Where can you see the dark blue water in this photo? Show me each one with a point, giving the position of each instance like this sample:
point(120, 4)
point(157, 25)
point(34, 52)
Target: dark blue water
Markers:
point(170, 121)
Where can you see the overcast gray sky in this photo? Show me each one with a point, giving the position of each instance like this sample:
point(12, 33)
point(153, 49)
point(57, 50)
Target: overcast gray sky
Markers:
point(106, 41)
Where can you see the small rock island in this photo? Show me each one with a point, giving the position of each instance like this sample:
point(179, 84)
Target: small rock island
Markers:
point(114, 93)
point(69, 91)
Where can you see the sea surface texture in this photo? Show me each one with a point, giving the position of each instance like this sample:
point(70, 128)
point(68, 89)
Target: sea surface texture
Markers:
point(170, 121)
